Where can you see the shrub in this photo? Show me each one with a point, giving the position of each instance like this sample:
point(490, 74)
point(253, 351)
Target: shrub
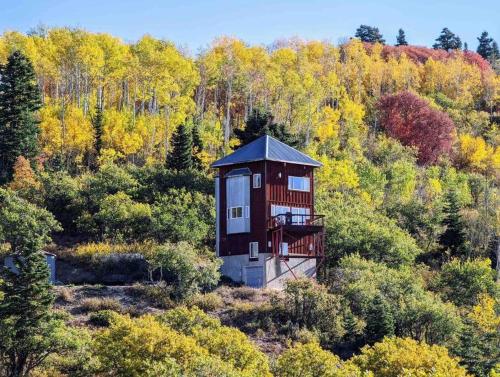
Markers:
point(207, 302)
point(244, 293)
point(396, 357)
point(415, 311)
point(102, 318)
point(182, 215)
point(65, 295)
point(352, 227)
point(186, 269)
point(149, 346)
point(309, 360)
point(230, 344)
point(157, 294)
point(122, 219)
point(307, 304)
point(95, 304)
point(94, 252)
point(463, 282)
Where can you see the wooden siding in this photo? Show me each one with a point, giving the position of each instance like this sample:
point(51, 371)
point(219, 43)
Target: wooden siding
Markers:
point(237, 244)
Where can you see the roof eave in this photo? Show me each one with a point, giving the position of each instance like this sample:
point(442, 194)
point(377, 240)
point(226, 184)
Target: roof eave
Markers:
point(316, 164)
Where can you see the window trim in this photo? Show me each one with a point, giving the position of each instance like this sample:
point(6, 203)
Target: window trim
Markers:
point(253, 253)
point(257, 180)
point(305, 179)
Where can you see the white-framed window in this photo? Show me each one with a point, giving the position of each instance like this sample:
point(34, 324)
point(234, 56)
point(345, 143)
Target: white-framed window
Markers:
point(247, 212)
point(299, 183)
point(257, 178)
point(235, 212)
point(253, 250)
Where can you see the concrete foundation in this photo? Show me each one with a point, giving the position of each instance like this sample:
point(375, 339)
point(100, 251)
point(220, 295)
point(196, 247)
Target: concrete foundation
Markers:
point(267, 271)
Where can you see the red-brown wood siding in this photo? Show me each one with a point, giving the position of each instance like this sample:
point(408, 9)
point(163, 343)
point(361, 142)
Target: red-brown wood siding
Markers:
point(274, 190)
point(238, 243)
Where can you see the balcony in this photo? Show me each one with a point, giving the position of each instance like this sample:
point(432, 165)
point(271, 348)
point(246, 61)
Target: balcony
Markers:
point(302, 234)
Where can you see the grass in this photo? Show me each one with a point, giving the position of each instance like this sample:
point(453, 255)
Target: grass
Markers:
point(95, 304)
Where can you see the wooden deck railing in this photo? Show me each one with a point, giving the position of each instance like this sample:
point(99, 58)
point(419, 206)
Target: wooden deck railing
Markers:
point(295, 220)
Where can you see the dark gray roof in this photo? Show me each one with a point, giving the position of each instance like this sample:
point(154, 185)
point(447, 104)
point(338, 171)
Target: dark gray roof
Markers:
point(266, 148)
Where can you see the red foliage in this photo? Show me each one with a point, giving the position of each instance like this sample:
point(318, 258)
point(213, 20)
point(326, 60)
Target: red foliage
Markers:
point(420, 54)
point(411, 120)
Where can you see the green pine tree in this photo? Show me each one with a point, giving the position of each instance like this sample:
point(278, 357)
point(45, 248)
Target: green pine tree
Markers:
point(27, 324)
point(379, 320)
point(197, 147)
point(478, 351)
point(484, 48)
point(98, 125)
point(447, 41)
point(453, 238)
point(261, 123)
point(401, 38)
point(369, 34)
point(19, 100)
point(181, 156)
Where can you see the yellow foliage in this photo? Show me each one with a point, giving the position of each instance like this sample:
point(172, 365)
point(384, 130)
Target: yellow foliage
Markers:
point(310, 360)
point(485, 315)
point(24, 178)
point(475, 154)
point(395, 357)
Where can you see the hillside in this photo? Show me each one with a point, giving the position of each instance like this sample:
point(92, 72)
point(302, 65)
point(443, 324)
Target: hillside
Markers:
point(105, 153)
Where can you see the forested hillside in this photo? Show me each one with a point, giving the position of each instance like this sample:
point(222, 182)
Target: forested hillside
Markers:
point(105, 153)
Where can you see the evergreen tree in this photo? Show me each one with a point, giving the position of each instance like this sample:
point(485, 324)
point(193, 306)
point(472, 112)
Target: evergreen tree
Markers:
point(478, 351)
point(181, 156)
point(485, 48)
point(379, 320)
point(453, 238)
point(495, 54)
point(261, 123)
point(466, 46)
point(447, 41)
point(197, 147)
point(27, 324)
point(98, 125)
point(369, 34)
point(19, 100)
point(401, 38)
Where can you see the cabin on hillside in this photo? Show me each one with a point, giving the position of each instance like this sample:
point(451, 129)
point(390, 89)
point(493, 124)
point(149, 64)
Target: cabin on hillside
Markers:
point(267, 228)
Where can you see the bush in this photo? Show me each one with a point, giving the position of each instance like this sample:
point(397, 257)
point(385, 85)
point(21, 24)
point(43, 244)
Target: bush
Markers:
point(102, 318)
point(156, 294)
point(352, 227)
point(122, 219)
point(463, 282)
point(307, 304)
point(207, 302)
point(182, 215)
point(309, 360)
point(415, 311)
point(230, 344)
point(186, 269)
point(95, 304)
point(395, 357)
point(149, 346)
point(62, 197)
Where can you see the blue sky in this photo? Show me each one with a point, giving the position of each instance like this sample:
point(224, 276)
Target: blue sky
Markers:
point(195, 24)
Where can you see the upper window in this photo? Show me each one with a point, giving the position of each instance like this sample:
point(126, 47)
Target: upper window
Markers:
point(257, 180)
point(299, 183)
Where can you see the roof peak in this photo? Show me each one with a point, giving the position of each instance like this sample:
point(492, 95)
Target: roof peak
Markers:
point(268, 148)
